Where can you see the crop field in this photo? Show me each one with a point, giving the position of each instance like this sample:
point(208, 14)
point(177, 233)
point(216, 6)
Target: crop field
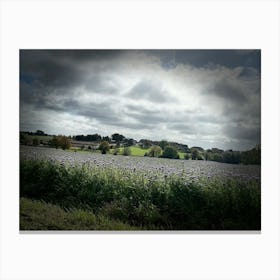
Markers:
point(137, 193)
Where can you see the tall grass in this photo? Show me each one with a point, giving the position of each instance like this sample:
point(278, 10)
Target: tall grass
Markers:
point(148, 203)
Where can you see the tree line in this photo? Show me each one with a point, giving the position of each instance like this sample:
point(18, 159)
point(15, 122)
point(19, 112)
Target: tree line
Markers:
point(163, 148)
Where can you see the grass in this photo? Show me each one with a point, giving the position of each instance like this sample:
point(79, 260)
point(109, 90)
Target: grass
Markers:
point(39, 215)
point(136, 151)
point(143, 202)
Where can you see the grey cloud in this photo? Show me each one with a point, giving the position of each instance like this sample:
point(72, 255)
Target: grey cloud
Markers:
point(222, 101)
point(239, 132)
point(149, 90)
point(228, 90)
point(103, 85)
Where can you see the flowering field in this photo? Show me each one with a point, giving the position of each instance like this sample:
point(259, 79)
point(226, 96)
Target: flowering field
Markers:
point(154, 167)
point(141, 192)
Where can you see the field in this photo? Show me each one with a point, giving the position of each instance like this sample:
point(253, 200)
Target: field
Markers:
point(112, 192)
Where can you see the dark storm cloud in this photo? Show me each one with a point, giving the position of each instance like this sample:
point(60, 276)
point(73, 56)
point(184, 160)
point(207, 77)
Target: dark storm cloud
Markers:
point(201, 58)
point(228, 90)
point(214, 94)
point(238, 132)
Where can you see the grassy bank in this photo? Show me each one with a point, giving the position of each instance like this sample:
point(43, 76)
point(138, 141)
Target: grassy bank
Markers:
point(39, 215)
point(144, 202)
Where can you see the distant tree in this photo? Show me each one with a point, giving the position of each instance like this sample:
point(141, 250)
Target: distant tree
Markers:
point(195, 153)
point(170, 152)
point(129, 142)
point(54, 142)
point(252, 156)
point(126, 151)
point(106, 138)
point(64, 142)
point(35, 141)
point(155, 151)
point(117, 137)
point(163, 144)
point(146, 143)
point(187, 156)
point(104, 147)
point(40, 132)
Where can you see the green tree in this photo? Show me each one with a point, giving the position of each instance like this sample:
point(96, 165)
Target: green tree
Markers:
point(104, 147)
point(170, 152)
point(155, 151)
point(54, 142)
point(195, 154)
point(64, 142)
point(163, 144)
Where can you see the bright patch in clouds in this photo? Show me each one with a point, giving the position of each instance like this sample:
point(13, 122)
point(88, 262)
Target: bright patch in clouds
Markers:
point(200, 98)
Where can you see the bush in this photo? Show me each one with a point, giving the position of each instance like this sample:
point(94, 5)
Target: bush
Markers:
point(155, 151)
point(170, 152)
point(126, 151)
point(116, 151)
point(60, 141)
point(104, 147)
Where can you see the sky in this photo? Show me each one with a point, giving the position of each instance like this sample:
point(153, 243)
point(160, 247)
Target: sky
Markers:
point(206, 98)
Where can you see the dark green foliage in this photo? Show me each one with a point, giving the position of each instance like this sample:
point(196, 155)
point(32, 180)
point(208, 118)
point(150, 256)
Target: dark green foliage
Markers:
point(117, 137)
point(187, 156)
point(170, 203)
point(163, 144)
point(104, 147)
point(251, 157)
point(60, 141)
point(89, 137)
point(35, 141)
point(195, 154)
point(170, 152)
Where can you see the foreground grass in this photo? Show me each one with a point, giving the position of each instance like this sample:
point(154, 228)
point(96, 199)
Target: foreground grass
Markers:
point(145, 202)
point(39, 215)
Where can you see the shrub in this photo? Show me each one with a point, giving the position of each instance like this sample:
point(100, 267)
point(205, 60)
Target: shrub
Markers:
point(170, 152)
point(104, 147)
point(217, 203)
point(126, 151)
point(116, 151)
point(155, 151)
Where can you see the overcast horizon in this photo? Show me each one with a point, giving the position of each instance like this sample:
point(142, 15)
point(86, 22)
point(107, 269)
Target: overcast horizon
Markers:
point(206, 98)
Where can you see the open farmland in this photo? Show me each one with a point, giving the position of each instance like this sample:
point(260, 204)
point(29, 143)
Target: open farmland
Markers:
point(136, 193)
point(154, 167)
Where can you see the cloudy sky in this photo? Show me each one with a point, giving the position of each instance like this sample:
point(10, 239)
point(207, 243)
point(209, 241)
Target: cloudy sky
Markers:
point(207, 98)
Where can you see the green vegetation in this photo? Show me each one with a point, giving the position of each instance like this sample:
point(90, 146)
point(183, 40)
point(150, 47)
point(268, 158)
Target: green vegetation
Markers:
point(132, 198)
point(104, 147)
point(135, 151)
point(60, 141)
point(39, 215)
point(170, 152)
point(155, 151)
point(126, 151)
